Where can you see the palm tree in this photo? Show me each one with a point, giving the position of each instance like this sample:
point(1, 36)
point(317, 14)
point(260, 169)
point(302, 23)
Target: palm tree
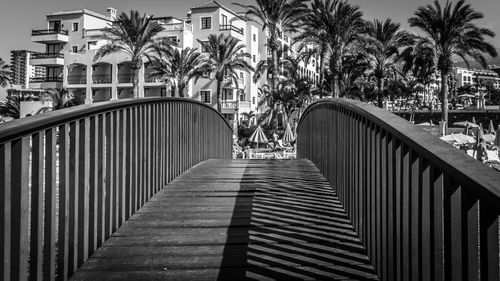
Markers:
point(344, 26)
point(451, 32)
point(4, 73)
point(225, 58)
point(61, 98)
point(11, 107)
point(277, 17)
point(385, 40)
point(133, 35)
point(179, 68)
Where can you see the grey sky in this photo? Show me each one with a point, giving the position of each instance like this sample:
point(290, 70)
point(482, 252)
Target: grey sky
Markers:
point(18, 17)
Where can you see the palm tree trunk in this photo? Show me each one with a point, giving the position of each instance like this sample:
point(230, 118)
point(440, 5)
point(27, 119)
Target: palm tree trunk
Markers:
point(444, 96)
point(274, 58)
point(380, 85)
point(136, 67)
point(321, 73)
point(181, 91)
point(219, 86)
point(335, 85)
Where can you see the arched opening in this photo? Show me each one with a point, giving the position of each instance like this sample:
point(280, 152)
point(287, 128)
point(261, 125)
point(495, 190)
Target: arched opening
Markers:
point(77, 74)
point(125, 72)
point(102, 73)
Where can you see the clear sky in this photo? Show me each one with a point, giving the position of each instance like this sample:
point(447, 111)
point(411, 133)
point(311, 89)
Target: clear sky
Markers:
point(18, 17)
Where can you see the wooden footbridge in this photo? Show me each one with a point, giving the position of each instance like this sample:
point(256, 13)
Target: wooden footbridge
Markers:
point(144, 189)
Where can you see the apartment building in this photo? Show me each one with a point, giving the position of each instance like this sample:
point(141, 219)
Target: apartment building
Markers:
point(70, 48)
point(471, 77)
point(21, 69)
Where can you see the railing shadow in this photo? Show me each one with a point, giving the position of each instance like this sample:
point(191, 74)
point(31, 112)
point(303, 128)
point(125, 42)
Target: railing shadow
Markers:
point(288, 224)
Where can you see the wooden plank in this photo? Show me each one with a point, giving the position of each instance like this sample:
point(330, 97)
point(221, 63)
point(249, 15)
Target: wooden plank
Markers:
point(63, 217)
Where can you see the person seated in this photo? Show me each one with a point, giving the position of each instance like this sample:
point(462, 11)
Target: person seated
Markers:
point(283, 147)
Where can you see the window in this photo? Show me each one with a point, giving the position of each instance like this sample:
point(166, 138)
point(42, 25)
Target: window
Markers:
point(205, 96)
point(254, 37)
point(206, 74)
point(206, 23)
point(204, 47)
point(253, 100)
point(92, 45)
point(241, 75)
point(253, 58)
point(74, 49)
point(75, 26)
point(224, 20)
point(172, 39)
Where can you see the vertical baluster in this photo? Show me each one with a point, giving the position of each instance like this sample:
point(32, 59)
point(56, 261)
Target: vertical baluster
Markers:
point(470, 233)
point(93, 183)
point(83, 190)
point(110, 150)
point(415, 210)
point(378, 207)
point(140, 148)
point(124, 167)
point(74, 175)
point(426, 247)
point(63, 197)
point(437, 223)
point(36, 226)
point(453, 230)
point(5, 209)
point(129, 171)
point(115, 172)
point(489, 240)
point(405, 214)
point(383, 205)
point(20, 208)
point(49, 236)
point(101, 180)
point(391, 206)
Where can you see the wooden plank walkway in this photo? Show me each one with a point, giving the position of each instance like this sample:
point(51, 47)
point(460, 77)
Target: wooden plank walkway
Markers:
point(236, 220)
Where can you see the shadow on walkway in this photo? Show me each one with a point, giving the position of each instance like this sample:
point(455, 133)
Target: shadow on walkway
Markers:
point(288, 224)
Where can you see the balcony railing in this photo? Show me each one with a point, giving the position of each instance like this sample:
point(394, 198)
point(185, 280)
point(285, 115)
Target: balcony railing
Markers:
point(47, 56)
point(77, 79)
point(70, 178)
point(149, 79)
point(48, 32)
point(231, 27)
point(178, 26)
point(45, 79)
point(101, 78)
point(93, 32)
point(422, 209)
point(229, 104)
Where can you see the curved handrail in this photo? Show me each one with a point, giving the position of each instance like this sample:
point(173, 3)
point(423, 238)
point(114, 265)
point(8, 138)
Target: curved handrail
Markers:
point(20, 127)
point(420, 207)
point(441, 154)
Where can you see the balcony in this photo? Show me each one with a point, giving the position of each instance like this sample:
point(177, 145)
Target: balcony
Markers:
point(47, 59)
point(231, 28)
point(49, 36)
point(46, 82)
point(244, 105)
point(79, 79)
point(92, 32)
point(125, 78)
point(178, 27)
point(229, 107)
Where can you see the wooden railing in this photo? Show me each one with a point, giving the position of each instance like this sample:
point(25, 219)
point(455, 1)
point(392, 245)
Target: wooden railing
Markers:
point(70, 178)
point(422, 209)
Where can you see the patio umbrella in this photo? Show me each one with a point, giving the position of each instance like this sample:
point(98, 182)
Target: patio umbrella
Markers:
point(491, 129)
point(480, 133)
point(288, 136)
point(497, 137)
point(466, 96)
point(465, 124)
point(458, 138)
point(489, 138)
point(258, 136)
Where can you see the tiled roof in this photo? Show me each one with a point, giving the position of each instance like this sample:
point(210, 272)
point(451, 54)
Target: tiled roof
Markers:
point(215, 4)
